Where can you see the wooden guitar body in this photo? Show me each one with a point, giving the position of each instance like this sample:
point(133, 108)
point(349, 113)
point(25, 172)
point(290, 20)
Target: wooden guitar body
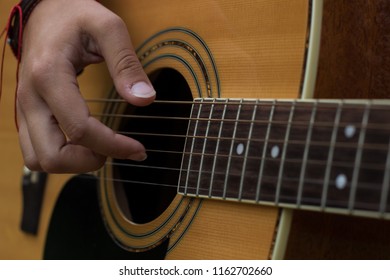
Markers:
point(203, 49)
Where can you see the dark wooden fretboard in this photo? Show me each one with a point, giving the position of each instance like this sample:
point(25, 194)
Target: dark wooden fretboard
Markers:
point(321, 154)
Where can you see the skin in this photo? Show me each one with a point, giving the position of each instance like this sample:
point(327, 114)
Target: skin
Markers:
point(56, 132)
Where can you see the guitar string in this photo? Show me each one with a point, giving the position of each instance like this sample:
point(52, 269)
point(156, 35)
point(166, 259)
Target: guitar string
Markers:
point(329, 103)
point(378, 126)
point(340, 144)
point(318, 163)
point(380, 104)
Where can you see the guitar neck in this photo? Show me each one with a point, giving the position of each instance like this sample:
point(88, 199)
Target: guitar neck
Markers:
point(327, 155)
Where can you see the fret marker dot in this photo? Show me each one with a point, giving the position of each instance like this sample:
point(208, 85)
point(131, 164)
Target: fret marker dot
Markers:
point(240, 149)
point(349, 131)
point(275, 151)
point(341, 181)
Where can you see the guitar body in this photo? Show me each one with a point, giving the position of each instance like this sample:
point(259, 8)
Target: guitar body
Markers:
point(227, 49)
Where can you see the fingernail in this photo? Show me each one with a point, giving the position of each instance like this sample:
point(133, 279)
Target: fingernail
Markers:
point(138, 157)
point(142, 90)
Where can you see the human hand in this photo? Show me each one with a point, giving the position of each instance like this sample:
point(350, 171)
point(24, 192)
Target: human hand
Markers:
point(56, 132)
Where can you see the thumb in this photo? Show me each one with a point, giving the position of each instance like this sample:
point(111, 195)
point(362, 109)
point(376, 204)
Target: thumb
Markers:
point(115, 45)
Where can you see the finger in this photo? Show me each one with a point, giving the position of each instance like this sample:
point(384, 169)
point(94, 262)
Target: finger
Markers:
point(29, 156)
point(52, 150)
point(60, 91)
point(113, 39)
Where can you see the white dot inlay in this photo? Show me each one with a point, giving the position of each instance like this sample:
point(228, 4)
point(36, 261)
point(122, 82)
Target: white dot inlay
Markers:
point(240, 149)
point(275, 151)
point(341, 181)
point(349, 131)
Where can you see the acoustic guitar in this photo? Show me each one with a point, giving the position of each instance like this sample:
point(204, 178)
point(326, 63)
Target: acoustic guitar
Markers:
point(256, 149)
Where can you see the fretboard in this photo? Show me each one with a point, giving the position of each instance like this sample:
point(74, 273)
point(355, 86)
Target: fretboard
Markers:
point(321, 154)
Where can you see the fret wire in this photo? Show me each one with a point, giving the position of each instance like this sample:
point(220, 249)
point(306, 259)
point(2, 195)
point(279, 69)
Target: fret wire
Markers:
point(216, 149)
point(330, 155)
point(231, 151)
point(192, 145)
point(204, 148)
point(385, 186)
point(355, 175)
point(306, 154)
point(283, 157)
point(247, 151)
point(262, 164)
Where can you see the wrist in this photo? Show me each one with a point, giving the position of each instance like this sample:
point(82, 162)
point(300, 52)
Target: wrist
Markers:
point(17, 20)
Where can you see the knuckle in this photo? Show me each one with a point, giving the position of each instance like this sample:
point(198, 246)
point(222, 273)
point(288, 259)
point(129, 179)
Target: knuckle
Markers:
point(40, 70)
point(112, 23)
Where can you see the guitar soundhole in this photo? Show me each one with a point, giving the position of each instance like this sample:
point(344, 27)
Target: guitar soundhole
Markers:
point(144, 190)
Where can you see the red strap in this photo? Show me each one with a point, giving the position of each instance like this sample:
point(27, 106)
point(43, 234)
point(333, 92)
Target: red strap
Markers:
point(15, 9)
